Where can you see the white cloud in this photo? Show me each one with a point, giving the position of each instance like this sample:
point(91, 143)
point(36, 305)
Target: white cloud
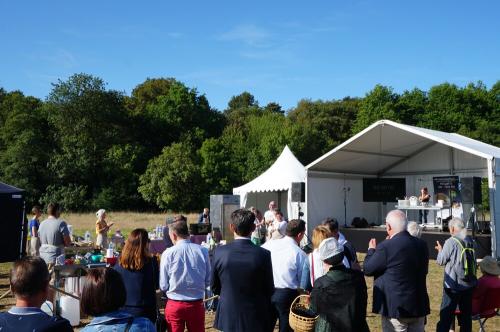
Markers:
point(248, 34)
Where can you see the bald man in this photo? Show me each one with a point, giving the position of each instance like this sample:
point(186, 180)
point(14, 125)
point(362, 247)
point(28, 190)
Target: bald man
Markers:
point(399, 265)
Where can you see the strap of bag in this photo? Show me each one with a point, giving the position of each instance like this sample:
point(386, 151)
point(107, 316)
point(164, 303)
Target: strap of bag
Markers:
point(463, 249)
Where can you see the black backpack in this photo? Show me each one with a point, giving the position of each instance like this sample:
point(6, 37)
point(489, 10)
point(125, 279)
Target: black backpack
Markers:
point(468, 259)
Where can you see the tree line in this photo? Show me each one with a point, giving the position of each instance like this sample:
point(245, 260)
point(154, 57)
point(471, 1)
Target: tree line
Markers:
point(164, 147)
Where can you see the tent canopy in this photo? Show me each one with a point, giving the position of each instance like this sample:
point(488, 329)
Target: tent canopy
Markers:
point(384, 145)
point(334, 185)
point(8, 189)
point(277, 178)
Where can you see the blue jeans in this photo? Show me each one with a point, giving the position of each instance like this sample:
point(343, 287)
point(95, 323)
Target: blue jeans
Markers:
point(452, 299)
point(422, 213)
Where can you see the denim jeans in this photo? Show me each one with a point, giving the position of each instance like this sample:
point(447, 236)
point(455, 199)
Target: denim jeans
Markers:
point(422, 214)
point(452, 299)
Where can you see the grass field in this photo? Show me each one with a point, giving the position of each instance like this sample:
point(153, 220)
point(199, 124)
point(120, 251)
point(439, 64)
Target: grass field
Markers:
point(127, 221)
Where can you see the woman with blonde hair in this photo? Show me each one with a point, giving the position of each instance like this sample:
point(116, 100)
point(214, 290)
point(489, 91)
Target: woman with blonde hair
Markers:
point(140, 274)
point(313, 266)
point(101, 229)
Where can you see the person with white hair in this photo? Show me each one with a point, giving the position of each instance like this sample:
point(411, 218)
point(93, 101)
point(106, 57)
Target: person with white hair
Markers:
point(414, 229)
point(102, 228)
point(399, 265)
point(458, 258)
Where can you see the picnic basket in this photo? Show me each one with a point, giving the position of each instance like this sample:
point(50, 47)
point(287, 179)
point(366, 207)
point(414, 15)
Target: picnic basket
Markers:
point(299, 318)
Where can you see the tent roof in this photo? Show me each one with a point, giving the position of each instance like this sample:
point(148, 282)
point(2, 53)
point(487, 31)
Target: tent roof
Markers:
point(285, 170)
point(386, 143)
point(8, 189)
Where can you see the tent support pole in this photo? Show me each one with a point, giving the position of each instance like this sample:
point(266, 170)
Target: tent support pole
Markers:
point(493, 183)
point(452, 161)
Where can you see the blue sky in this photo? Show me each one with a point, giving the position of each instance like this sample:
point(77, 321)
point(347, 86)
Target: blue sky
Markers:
point(280, 51)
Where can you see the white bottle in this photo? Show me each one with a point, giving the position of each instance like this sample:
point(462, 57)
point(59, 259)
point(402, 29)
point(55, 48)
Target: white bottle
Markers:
point(87, 236)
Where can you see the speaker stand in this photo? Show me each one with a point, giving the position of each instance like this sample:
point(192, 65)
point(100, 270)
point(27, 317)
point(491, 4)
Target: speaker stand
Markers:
point(345, 189)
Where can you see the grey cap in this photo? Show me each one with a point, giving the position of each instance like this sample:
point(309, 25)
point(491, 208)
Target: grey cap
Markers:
point(329, 248)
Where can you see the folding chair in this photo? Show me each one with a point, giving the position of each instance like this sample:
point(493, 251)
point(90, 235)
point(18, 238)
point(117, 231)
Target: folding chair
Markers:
point(490, 307)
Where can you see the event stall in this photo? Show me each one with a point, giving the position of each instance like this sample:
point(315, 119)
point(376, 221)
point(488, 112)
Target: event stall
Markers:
point(387, 150)
point(274, 184)
point(13, 221)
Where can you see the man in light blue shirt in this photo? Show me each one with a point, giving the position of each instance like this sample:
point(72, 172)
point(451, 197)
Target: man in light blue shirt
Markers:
point(184, 275)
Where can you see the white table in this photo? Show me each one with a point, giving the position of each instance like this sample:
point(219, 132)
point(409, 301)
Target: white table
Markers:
point(428, 208)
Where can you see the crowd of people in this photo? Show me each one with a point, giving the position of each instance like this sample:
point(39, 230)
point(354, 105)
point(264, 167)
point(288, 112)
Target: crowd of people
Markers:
point(256, 284)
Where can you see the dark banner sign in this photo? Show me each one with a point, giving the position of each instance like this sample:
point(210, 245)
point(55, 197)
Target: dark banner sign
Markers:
point(383, 190)
point(446, 188)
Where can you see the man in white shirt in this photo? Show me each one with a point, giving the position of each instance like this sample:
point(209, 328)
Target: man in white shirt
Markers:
point(287, 259)
point(269, 214)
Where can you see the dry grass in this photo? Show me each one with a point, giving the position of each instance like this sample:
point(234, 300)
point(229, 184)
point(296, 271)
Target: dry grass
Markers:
point(127, 221)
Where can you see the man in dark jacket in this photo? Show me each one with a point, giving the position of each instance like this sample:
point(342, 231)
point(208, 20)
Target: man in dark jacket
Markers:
point(340, 296)
point(399, 265)
point(243, 276)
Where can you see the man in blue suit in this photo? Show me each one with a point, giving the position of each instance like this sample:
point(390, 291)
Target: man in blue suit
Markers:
point(243, 277)
point(399, 265)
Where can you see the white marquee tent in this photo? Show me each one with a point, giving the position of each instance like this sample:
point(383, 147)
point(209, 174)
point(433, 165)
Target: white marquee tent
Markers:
point(274, 184)
point(388, 149)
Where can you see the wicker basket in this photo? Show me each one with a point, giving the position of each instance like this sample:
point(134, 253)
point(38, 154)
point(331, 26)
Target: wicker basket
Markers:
point(300, 323)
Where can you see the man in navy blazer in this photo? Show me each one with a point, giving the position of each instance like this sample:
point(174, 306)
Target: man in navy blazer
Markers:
point(243, 277)
point(399, 265)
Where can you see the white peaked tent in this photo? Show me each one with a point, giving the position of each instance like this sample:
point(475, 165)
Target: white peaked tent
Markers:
point(274, 184)
point(388, 149)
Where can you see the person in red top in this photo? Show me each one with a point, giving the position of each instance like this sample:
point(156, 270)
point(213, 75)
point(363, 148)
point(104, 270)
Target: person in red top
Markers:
point(489, 280)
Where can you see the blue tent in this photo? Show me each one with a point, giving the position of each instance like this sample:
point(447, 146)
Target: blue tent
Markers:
point(12, 223)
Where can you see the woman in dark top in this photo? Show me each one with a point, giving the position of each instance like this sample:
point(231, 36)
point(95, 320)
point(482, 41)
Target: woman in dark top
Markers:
point(140, 275)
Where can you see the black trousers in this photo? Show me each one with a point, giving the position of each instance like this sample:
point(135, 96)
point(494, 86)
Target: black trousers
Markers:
point(448, 306)
point(282, 300)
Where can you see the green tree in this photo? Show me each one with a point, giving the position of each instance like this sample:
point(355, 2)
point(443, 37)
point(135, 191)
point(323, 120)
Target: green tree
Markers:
point(223, 161)
point(316, 127)
point(378, 104)
point(173, 179)
point(169, 111)
point(87, 120)
point(273, 107)
point(240, 107)
point(24, 144)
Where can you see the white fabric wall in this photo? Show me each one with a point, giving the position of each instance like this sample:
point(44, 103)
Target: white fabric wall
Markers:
point(261, 200)
point(325, 198)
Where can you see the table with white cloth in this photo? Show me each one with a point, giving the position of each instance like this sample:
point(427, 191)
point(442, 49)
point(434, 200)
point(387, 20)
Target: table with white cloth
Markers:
point(437, 223)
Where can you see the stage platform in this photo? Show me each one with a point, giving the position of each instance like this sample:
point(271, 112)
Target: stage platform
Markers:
point(359, 237)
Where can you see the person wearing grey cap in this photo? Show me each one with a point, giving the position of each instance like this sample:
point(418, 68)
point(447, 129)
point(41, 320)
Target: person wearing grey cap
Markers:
point(340, 296)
